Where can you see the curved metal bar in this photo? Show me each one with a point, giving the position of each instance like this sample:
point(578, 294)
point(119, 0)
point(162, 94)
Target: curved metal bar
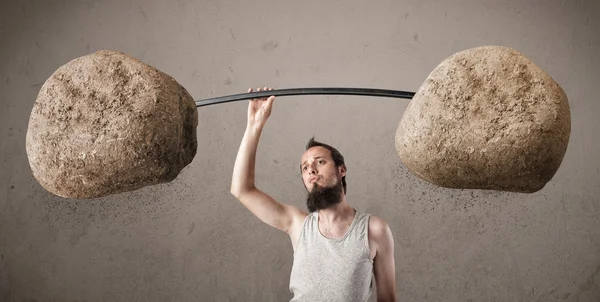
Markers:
point(307, 91)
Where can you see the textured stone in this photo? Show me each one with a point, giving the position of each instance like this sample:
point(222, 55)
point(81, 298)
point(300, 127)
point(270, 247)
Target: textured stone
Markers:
point(107, 123)
point(486, 118)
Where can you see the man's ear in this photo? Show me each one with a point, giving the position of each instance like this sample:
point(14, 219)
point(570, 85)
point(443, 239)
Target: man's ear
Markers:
point(342, 170)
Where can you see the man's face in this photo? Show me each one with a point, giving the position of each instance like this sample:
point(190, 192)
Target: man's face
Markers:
point(322, 179)
point(318, 167)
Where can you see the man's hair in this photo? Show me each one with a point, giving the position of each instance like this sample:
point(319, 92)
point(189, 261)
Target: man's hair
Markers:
point(338, 159)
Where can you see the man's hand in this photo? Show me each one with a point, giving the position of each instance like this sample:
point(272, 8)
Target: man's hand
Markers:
point(259, 110)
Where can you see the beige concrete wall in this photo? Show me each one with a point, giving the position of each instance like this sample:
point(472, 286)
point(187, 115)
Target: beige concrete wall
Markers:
point(190, 240)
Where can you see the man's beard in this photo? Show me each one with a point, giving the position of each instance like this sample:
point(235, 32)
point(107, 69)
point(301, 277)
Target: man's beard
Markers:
point(320, 198)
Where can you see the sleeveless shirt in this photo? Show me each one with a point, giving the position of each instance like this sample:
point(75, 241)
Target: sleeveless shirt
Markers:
point(326, 269)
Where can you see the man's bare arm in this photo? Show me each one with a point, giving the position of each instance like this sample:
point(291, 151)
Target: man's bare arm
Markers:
point(384, 264)
point(243, 187)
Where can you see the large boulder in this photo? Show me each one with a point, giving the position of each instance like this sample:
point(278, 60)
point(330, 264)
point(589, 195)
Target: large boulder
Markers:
point(107, 123)
point(486, 118)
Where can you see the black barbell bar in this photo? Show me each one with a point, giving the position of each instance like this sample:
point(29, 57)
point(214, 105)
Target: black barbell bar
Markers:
point(307, 91)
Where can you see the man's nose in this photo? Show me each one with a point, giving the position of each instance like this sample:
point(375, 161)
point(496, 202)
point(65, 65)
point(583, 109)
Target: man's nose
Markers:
point(312, 170)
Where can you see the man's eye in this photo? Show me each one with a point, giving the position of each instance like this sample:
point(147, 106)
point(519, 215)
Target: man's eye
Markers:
point(321, 161)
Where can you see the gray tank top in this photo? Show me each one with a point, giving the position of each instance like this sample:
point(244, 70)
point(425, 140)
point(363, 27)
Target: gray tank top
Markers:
point(327, 269)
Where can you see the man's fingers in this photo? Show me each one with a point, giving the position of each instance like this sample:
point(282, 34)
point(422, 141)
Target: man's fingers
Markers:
point(249, 91)
point(270, 101)
point(262, 89)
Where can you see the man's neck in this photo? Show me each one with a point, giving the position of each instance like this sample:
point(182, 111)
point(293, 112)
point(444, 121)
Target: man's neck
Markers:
point(341, 212)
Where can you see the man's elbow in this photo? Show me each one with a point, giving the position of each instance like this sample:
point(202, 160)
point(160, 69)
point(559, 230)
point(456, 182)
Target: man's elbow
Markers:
point(235, 191)
point(238, 191)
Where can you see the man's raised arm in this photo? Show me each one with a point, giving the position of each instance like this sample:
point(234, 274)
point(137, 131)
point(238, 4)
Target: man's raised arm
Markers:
point(243, 187)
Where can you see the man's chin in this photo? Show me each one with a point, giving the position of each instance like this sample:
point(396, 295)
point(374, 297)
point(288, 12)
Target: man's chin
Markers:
point(320, 198)
point(316, 188)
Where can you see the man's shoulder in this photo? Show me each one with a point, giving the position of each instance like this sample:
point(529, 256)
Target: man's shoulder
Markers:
point(378, 228)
